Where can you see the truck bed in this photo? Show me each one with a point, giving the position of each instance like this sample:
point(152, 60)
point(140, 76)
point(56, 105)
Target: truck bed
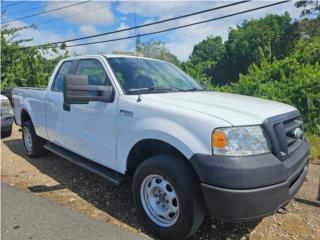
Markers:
point(31, 100)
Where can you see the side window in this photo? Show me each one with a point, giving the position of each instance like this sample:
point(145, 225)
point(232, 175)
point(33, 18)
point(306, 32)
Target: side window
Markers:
point(95, 72)
point(58, 80)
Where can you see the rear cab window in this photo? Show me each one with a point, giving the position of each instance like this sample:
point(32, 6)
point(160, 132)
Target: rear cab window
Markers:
point(58, 79)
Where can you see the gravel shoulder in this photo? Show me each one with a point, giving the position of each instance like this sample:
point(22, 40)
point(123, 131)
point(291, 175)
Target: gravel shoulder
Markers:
point(55, 178)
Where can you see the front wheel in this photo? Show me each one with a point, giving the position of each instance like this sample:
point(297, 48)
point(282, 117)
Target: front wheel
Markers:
point(167, 193)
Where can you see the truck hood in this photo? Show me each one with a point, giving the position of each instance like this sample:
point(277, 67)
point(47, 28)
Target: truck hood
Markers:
point(235, 109)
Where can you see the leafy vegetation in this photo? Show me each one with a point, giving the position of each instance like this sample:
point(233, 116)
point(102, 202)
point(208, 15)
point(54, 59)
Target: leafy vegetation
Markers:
point(274, 35)
point(155, 49)
point(25, 67)
point(309, 6)
point(314, 141)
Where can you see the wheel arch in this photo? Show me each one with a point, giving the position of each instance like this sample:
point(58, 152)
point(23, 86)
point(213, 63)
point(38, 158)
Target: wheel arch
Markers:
point(147, 148)
point(24, 116)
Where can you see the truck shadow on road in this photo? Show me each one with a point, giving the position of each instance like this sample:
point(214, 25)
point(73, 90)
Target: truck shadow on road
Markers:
point(115, 201)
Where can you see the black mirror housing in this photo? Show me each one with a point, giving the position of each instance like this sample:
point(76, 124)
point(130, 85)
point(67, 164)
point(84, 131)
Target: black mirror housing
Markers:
point(77, 90)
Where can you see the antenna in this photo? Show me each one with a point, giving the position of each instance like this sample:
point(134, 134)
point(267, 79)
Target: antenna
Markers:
point(135, 31)
point(139, 98)
point(135, 24)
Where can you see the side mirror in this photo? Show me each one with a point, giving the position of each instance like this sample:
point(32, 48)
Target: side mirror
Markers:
point(77, 91)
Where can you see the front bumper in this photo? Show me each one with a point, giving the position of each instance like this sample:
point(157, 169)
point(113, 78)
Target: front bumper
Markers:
point(249, 188)
point(6, 121)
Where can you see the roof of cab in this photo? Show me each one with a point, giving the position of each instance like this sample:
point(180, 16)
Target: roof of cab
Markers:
point(128, 56)
point(109, 56)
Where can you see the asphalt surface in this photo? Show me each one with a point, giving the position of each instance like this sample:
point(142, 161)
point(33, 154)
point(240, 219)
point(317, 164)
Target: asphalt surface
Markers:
point(27, 216)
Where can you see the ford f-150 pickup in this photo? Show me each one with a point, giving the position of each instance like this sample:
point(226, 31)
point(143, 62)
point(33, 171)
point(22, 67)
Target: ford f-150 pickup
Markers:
point(188, 151)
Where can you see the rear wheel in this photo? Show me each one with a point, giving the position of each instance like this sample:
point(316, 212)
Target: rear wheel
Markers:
point(167, 193)
point(33, 145)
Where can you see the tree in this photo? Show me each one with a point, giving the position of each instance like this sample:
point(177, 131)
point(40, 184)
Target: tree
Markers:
point(25, 67)
point(275, 35)
point(310, 27)
point(308, 51)
point(210, 49)
point(157, 50)
point(199, 71)
point(311, 7)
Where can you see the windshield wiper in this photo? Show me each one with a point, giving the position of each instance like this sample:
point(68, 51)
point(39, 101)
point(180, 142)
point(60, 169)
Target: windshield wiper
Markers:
point(168, 88)
point(153, 89)
point(147, 89)
point(162, 89)
point(193, 90)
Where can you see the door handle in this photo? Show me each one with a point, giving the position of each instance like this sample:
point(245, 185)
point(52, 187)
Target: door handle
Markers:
point(66, 107)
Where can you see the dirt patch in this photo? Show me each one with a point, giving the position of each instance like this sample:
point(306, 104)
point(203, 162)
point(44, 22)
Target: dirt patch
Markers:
point(56, 179)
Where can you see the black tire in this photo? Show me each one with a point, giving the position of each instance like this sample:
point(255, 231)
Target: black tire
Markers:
point(37, 149)
point(6, 133)
point(187, 187)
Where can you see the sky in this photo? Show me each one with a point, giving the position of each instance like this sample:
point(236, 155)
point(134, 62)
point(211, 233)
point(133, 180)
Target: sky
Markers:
point(95, 17)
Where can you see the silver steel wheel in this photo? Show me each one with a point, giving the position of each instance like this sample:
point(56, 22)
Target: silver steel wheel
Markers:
point(159, 200)
point(27, 139)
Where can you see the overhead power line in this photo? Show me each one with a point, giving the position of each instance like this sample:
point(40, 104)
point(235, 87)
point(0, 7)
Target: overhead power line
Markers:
point(145, 25)
point(70, 16)
point(161, 31)
point(40, 13)
point(182, 26)
point(33, 8)
point(13, 4)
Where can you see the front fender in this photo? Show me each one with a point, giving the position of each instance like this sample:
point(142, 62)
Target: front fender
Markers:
point(178, 136)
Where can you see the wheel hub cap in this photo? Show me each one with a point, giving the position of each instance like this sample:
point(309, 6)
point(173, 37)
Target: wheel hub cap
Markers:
point(27, 139)
point(159, 200)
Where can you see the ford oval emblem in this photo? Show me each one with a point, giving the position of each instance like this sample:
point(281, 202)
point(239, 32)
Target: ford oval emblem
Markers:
point(298, 133)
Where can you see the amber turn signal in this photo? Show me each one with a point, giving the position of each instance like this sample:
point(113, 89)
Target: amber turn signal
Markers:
point(219, 139)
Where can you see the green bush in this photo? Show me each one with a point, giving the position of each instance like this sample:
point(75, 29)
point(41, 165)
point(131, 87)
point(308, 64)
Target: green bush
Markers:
point(26, 67)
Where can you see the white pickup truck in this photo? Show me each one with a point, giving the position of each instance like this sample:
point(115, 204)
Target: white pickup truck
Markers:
point(188, 151)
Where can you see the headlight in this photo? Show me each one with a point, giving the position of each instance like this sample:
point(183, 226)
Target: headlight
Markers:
point(5, 108)
point(239, 141)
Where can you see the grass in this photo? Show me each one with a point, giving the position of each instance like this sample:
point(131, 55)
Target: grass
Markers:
point(314, 141)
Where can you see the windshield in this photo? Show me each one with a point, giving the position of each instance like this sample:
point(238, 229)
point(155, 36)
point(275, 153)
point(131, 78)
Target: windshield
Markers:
point(139, 75)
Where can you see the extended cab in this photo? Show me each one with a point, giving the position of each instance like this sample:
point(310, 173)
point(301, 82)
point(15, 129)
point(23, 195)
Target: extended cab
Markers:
point(187, 150)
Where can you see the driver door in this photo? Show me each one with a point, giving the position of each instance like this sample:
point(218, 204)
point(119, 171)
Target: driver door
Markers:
point(90, 129)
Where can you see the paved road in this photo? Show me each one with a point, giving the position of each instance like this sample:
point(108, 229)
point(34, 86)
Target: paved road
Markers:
point(27, 216)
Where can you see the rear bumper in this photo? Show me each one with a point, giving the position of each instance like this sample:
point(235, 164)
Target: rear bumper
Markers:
point(243, 191)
